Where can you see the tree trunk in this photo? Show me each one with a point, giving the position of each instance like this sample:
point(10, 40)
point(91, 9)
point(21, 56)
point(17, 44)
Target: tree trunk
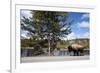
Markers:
point(49, 46)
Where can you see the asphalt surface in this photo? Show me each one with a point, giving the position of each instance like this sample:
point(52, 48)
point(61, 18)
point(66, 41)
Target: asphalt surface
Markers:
point(52, 58)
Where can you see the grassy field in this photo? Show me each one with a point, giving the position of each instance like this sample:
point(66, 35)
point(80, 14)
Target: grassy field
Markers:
point(61, 44)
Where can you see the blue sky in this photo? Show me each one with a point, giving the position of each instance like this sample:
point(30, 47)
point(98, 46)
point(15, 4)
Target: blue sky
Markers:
point(80, 27)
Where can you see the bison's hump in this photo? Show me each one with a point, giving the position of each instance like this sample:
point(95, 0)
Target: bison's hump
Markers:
point(77, 46)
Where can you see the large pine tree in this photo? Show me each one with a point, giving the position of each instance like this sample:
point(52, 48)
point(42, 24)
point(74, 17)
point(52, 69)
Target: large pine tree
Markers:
point(47, 25)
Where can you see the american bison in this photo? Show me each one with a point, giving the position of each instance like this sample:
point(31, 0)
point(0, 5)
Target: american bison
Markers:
point(75, 50)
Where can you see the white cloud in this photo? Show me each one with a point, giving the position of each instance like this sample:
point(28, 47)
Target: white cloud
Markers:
point(26, 13)
point(85, 16)
point(71, 36)
point(86, 35)
point(24, 34)
point(83, 24)
point(77, 36)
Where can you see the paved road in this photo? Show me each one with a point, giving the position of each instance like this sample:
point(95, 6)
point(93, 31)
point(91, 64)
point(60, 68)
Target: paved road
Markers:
point(52, 58)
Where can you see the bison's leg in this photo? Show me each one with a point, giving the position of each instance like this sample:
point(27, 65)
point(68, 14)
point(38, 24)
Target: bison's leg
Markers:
point(76, 53)
point(81, 52)
point(70, 52)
